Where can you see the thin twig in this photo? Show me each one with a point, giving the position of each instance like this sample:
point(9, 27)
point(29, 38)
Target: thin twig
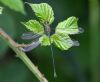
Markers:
point(22, 56)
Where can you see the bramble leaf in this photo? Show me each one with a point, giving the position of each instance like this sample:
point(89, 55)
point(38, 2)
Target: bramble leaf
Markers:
point(16, 5)
point(1, 9)
point(68, 26)
point(44, 12)
point(34, 26)
point(63, 42)
point(44, 40)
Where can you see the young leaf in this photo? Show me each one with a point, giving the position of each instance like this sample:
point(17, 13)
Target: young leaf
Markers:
point(1, 9)
point(44, 40)
point(68, 26)
point(63, 42)
point(16, 5)
point(34, 26)
point(44, 12)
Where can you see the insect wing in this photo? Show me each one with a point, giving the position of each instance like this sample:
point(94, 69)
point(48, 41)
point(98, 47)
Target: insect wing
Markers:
point(30, 35)
point(31, 46)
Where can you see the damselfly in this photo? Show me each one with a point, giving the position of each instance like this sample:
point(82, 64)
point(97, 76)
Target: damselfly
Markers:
point(61, 37)
point(36, 42)
point(35, 37)
point(30, 36)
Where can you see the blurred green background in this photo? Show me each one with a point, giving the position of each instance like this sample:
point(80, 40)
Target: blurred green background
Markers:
point(79, 64)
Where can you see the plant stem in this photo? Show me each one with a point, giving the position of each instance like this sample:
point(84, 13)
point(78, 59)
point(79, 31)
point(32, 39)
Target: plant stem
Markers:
point(22, 56)
point(94, 40)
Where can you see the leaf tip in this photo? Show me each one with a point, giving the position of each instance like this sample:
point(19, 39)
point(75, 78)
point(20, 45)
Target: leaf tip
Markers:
point(1, 10)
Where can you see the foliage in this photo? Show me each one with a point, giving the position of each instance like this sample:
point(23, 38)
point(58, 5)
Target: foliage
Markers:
point(34, 26)
point(68, 26)
point(61, 36)
point(67, 69)
point(44, 12)
point(1, 9)
point(16, 5)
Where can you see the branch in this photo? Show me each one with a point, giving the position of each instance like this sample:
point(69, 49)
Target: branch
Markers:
point(22, 56)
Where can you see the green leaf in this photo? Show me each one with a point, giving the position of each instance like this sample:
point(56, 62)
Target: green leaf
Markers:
point(16, 5)
point(44, 12)
point(44, 40)
point(1, 9)
point(34, 26)
point(68, 26)
point(63, 42)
